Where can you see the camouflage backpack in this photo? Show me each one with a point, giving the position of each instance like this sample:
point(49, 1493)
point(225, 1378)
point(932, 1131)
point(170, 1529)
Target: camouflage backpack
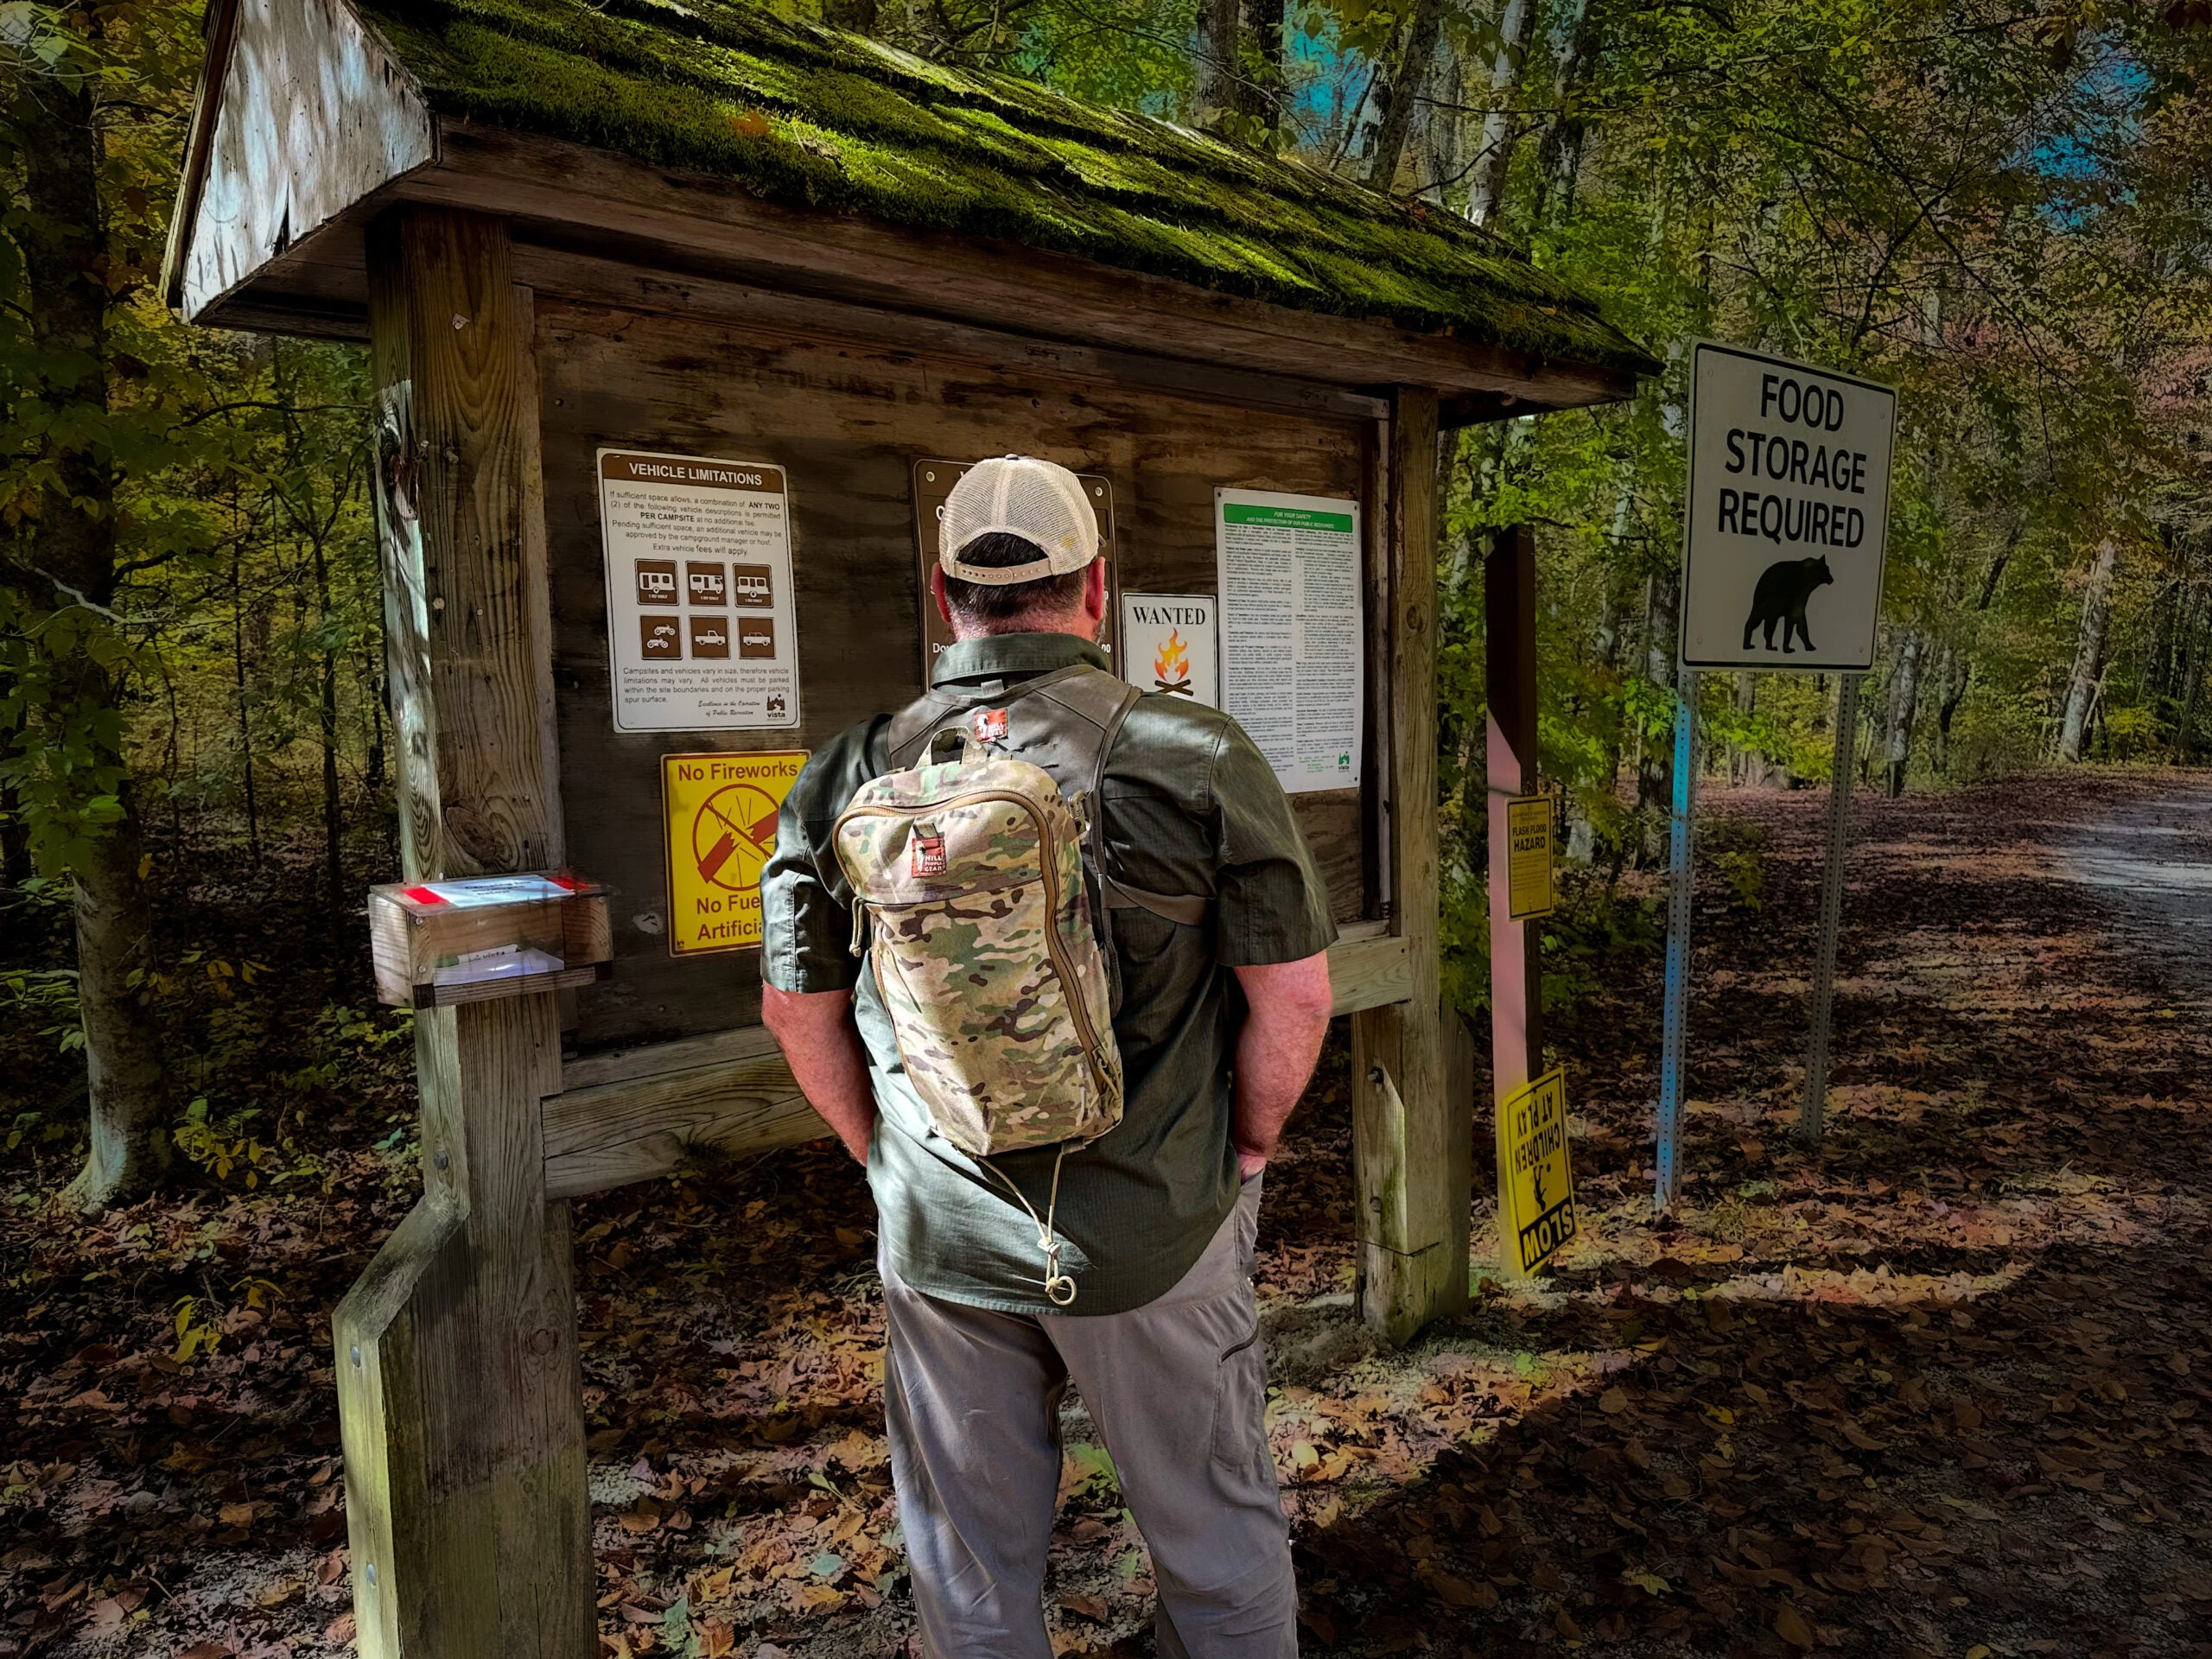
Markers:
point(986, 915)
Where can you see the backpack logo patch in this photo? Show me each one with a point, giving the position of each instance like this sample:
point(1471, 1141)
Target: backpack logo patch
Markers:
point(990, 724)
point(926, 854)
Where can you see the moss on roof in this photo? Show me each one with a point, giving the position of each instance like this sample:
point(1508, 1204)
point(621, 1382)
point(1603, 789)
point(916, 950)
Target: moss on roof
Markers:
point(808, 116)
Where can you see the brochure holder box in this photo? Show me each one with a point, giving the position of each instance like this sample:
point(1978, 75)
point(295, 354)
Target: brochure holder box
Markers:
point(440, 943)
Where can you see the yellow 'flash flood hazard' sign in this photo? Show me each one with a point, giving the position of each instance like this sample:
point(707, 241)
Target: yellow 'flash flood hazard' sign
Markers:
point(1529, 856)
point(719, 812)
point(1535, 1183)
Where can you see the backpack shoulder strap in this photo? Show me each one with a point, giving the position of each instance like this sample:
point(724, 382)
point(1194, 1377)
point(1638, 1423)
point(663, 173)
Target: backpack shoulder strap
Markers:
point(911, 727)
point(1105, 701)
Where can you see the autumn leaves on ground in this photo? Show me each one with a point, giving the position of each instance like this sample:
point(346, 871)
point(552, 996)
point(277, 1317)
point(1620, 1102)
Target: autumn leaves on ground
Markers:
point(1941, 1389)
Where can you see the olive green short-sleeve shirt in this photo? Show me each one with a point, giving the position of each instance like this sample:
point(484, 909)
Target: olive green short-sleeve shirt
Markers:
point(1191, 807)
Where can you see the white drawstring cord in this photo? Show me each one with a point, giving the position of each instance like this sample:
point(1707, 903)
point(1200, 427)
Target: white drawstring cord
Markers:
point(1055, 1281)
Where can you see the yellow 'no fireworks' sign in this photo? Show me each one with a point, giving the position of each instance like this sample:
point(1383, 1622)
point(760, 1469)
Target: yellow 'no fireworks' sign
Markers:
point(718, 811)
point(1535, 1186)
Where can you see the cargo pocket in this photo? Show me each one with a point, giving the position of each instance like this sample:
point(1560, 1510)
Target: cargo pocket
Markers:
point(1240, 1397)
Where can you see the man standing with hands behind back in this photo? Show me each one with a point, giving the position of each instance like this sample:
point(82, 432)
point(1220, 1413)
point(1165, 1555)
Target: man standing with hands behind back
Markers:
point(1219, 927)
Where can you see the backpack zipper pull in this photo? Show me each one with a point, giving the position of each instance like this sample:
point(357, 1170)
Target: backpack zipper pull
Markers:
point(859, 925)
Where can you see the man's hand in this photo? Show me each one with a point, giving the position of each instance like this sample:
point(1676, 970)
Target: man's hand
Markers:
point(823, 1046)
point(1288, 1015)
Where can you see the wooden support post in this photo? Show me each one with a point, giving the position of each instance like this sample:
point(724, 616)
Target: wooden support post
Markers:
point(459, 1393)
point(1411, 1133)
point(1517, 1005)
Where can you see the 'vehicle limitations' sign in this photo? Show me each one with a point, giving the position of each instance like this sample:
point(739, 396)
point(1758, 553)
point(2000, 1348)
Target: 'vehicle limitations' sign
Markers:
point(1789, 509)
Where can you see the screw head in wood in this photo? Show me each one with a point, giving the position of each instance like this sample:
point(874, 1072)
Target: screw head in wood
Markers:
point(354, 1354)
point(443, 1158)
point(372, 1572)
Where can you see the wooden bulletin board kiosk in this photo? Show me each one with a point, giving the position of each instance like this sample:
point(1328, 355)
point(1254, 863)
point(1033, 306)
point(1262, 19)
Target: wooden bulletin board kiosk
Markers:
point(644, 284)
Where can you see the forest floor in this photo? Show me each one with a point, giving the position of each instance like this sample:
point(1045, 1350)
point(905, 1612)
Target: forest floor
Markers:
point(1939, 1388)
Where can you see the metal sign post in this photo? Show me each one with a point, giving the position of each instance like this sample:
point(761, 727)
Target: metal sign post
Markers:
point(1785, 529)
point(1681, 865)
point(1816, 1056)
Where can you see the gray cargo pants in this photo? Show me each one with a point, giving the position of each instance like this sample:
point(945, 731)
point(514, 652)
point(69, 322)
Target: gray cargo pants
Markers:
point(972, 1399)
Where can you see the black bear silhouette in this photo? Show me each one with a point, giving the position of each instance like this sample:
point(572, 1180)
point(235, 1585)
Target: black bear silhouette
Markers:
point(1780, 597)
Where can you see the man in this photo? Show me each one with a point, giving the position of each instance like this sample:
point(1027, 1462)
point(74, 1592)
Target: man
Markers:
point(1221, 1017)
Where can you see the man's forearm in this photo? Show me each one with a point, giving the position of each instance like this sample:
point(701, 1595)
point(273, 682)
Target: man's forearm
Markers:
point(1288, 1015)
point(823, 1047)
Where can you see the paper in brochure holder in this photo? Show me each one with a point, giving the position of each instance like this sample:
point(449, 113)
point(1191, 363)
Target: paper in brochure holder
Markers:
point(440, 943)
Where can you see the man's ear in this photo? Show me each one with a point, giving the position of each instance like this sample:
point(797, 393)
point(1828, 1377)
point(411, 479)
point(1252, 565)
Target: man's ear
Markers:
point(937, 593)
point(1094, 590)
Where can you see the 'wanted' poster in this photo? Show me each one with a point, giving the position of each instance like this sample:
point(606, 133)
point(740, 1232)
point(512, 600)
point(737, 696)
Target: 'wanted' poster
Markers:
point(1291, 630)
point(702, 635)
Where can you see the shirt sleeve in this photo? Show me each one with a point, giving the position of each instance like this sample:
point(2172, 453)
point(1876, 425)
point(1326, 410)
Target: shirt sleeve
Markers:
point(1270, 903)
point(806, 918)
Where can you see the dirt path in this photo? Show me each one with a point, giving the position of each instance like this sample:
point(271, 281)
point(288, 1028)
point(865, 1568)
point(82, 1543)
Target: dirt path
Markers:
point(2148, 866)
point(1939, 1388)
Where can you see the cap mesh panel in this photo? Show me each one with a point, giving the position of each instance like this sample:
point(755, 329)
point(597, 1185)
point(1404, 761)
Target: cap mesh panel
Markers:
point(1022, 496)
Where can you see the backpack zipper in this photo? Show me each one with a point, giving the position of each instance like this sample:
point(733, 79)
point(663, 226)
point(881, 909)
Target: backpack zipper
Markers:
point(1062, 969)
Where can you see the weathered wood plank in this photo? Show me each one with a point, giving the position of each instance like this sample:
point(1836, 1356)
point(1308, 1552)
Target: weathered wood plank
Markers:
point(460, 1391)
point(642, 1127)
point(1413, 1226)
point(301, 116)
point(847, 421)
point(676, 219)
point(1369, 970)
point(567, 274)
point(635, 1115)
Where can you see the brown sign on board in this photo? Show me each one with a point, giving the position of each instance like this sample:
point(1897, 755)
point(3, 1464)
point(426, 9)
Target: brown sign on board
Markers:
point(933, 481)
point(752, 584)
point(655, 579)
point(708, 583)
point(756, 637)
point(659, 639)
point(709, 637)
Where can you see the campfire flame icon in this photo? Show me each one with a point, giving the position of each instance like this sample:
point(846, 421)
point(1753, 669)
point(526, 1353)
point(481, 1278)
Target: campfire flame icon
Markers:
point(1171, 668)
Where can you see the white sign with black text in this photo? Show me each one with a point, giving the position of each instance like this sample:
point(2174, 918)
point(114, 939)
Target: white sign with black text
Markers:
point(702, 634)
point(1168, 645)
point(1290, 631)
point(1788, 514)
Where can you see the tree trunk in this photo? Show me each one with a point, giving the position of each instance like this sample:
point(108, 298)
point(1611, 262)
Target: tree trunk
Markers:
point(2192, 676)
point(2090, 651)
point(245, 721)
point(333, 814)
point(1400, 97)
point(72, 542)
point(125, 1074)
point(1904, 706)
point(1219, 23)
point(1559, 152)
point(1655, 766)
point(1487, 187)
point(1260, 88)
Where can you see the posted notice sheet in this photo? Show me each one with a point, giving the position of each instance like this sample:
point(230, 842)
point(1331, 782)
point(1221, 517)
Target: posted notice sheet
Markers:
point(1291, 630)
point(702, 634)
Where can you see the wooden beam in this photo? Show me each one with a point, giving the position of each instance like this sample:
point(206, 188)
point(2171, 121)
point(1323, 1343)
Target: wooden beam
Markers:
point(732, 1095)
point(643, 1113)
point(571, 200)
point(1413, 1197)
point(460, 1395)
point(1515, 974)
point(302, 117)
point(674, 221)
point(1368, 968)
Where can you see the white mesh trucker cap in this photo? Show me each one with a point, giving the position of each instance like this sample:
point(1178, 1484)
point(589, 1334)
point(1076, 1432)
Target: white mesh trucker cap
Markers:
point(1018, 495)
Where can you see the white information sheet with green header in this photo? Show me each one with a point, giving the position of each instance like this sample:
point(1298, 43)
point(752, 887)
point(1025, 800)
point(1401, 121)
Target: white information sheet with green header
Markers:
point(1291, 630)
